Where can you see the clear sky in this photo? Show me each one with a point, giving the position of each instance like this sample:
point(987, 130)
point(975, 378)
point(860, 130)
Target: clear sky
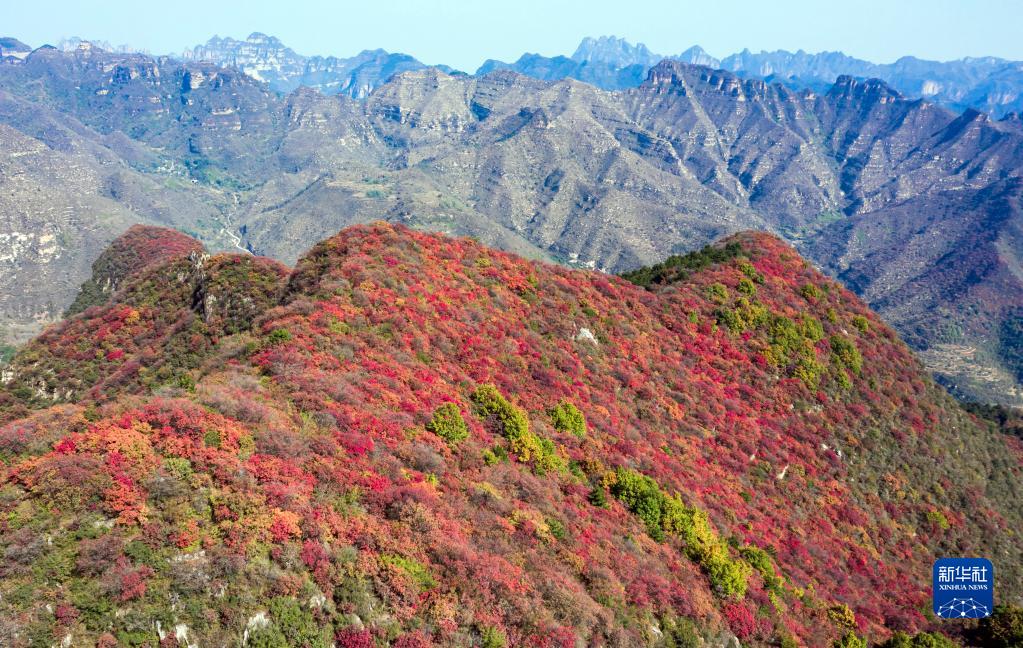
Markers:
point(463, 34)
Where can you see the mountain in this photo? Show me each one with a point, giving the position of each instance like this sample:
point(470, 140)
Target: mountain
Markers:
point(415, 440)
point(266, 58)
point(915, 207)
point(13, 47)
point(608, 76)
point(987, 84)
point(69, 188)
point(617, 51)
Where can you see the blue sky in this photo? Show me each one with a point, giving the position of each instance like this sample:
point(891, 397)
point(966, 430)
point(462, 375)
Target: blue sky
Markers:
point(463, 34)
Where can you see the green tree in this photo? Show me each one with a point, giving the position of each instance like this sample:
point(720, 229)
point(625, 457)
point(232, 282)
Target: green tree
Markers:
point(566, 417)
point(448, 424)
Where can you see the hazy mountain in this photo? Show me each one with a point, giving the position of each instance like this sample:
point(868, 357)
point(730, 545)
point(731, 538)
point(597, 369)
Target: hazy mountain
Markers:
point(616, 51)
point(13, 47)
point(412, 440)
point(566, 172)
point(267, 59)
point(987, 84)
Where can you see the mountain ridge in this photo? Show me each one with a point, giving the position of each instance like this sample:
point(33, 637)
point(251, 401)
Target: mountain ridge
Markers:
point(563, 171)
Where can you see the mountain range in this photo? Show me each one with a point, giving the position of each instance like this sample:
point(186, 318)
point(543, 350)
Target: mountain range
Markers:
point(267, 59)
point(914, 207)
point(412, 440)
point(987, 84)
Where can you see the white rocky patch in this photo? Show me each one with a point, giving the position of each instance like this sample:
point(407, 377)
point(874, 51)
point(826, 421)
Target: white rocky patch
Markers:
point(255, 622)
point(15, 246)
point(586, 335)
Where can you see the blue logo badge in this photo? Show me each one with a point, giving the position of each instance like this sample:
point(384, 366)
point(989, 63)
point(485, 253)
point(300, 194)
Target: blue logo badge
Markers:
point(964, 588)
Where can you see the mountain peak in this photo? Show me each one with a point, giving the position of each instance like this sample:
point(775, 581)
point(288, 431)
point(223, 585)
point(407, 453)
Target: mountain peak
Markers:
point(698, 56)
point(614, 50)
point(139, 248)
point(848, 86)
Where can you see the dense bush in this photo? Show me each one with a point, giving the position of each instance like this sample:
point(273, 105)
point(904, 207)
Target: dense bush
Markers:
point(679, 267)
point(920, 640)
point(1004, 628)
point(513, 424)
point(448, 424)
point(566, 417)
point(666, 515)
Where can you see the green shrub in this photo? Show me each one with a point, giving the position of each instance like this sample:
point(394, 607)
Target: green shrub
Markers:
point(514, 426)
point(747, 269)
point(937, 518)
point(179, 467)
point(557, 529)
point(566, 417)
point(922, 640)
point(809, 371)
point(729, 577)
point(448, 424)
point(293, 622)
point(278, 336)
point(212, 438)
point(680, 633)
point(761, 561)
point(718, 292)
point(846, 354)
point(810, 292)
point(494, 455)
point(665, 515)
point(418, 572)
point(850, 640)
point(811, 328)
point(747, 287)
point(842, 616)
point(493, 637)
point(1004, 628)
point(861, 323)
point(641, 495)
point(678, 267)
point(744, 316)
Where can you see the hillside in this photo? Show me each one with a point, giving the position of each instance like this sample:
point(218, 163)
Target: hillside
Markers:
point(418, 440)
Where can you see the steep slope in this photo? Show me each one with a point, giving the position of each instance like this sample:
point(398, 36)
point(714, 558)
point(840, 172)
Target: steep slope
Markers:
point(65, 192)
point(429, 442)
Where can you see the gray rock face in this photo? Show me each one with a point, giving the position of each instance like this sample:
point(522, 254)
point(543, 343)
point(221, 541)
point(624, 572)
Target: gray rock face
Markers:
point(267, 59)
point(913, 206)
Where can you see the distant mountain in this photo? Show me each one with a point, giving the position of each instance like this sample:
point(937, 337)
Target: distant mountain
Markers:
point(13, 47)
point(616, 51)
point(74, 43)
point(266, 58)
point(987, 84)
point(600, 74)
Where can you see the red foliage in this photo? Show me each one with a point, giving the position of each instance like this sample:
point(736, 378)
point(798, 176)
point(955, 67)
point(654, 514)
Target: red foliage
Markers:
point(352, 638)
point(307, 431)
